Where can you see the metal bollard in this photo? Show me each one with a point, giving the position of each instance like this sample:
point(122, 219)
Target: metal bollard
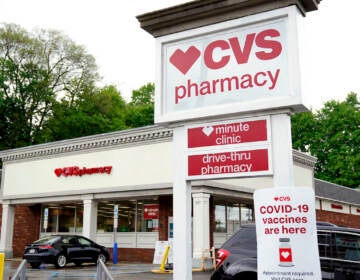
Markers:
point(164, 258)
point(2, 258)
point(115, 254)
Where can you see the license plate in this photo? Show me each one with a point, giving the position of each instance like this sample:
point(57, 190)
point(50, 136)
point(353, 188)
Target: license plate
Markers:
point(32, 251)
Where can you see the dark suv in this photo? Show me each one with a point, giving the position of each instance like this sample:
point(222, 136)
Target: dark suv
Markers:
point(339, 250)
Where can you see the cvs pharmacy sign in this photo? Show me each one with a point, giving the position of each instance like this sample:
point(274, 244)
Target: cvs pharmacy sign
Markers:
point(241, 65)
point(264, 45)
point(240, 51)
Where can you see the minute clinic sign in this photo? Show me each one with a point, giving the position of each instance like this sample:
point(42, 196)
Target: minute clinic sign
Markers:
point(242, 65)
point(235, 148)
point(228, 133)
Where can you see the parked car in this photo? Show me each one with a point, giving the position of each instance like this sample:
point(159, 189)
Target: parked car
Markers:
point(339, 251)
point(62, 249)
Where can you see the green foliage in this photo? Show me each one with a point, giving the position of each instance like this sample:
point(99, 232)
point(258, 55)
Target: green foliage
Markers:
point(48, 93)
point(302, 130)
point(141, 108)
point(35, 70)
point(143, 96)
point(91, 113)
point(333, 136)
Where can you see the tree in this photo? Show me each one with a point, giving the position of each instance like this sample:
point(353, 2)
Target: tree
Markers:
point(141, 107)
point(91, 113)
point(333, 136)
point(35, 70)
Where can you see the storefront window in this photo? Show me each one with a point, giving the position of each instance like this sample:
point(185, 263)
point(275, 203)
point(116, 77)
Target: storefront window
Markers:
point(246, 215)
point(133, 215)
point(220, 218)
point(146, 220)
point(148, 216)
point(62, 218)
point(52, 221)
point(233, 218)
point(126, 216)
point(105, 217)
point(229, 217)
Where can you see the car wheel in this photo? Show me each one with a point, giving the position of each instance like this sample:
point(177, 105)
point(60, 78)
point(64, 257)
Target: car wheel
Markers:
point(60, 261)
point(101, 257)
point(35, 264)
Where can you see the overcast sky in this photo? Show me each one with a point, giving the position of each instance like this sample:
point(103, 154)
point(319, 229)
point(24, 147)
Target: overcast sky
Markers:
point(328, 41)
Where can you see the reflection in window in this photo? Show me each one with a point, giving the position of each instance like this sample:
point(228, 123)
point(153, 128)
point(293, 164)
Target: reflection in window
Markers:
point(230, 216)
point(62, 218)
point(348, 247)
point(233, 219)
point(84, 241)
point(220, 218)
point(246, 215)
point(324, 242)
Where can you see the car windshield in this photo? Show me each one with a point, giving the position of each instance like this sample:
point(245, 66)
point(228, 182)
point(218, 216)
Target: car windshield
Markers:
point(47, 240)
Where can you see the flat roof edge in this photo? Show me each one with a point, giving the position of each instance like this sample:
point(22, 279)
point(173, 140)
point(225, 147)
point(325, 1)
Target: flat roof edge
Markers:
point(200, 13)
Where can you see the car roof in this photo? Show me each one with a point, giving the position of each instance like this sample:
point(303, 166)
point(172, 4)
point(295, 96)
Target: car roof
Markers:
point(60, 236)
point(338, 229)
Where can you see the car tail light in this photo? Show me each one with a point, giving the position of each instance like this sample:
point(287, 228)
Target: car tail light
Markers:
point(45, 247)
point(221, 255)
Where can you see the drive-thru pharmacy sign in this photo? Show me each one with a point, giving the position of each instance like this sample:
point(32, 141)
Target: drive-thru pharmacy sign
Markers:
point(234, 148)
point(286, 234)
point(247, 64)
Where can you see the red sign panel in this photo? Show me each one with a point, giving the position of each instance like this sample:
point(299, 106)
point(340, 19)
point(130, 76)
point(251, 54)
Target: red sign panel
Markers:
point(234, 162)
point(336, 206)
point(227, 133)
point(151, 211)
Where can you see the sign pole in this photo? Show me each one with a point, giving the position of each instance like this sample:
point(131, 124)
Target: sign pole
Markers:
point(116, 211)
point(46, 218)
point(182, 209)
point(283, 164)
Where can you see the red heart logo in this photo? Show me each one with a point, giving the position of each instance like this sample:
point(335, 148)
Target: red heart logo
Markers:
point(183, 61)
point(58, 171)
point(276, 198)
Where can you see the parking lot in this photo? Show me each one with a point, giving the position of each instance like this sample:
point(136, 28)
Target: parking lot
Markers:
point(131, 271)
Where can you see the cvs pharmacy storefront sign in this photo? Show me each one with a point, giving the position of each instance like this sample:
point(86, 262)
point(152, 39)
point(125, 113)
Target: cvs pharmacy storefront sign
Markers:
point(218, 54)
point(243, 65)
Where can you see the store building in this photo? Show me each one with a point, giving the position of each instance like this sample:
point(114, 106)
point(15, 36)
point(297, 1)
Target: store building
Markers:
point(337, 204)
point(77, 182)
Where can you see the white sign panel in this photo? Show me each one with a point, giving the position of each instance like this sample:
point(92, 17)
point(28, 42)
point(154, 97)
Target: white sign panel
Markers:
point(287, 245)
point(242, 65)
point(160, 248)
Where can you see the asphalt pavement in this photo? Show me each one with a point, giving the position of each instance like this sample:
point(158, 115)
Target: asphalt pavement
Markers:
point(119, 271)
